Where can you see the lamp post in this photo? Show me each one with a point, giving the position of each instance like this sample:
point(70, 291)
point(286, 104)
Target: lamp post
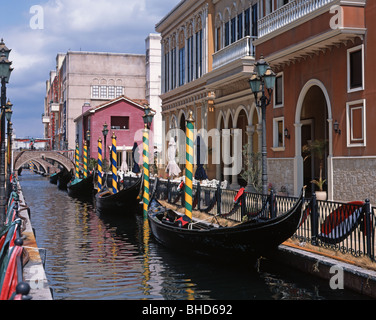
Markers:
point(8, 116)
point(5, 71)
point(263, 79)
point(88, 144)
point(104, 132)
point(148, 119)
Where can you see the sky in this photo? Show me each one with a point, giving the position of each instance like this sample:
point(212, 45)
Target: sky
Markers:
point(36, 30)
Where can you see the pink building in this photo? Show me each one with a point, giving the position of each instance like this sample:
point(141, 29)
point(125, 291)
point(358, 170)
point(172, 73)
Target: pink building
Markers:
point(123, 117)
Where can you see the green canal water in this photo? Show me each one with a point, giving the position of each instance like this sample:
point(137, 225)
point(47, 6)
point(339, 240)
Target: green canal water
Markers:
point(89, 256)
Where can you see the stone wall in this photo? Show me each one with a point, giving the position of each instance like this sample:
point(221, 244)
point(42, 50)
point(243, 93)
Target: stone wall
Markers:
point(281, 174)
point(354, 179)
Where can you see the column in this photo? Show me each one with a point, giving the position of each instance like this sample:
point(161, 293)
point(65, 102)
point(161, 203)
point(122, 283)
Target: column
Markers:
point(236, 157)
point(250, 133)
point(226, 153)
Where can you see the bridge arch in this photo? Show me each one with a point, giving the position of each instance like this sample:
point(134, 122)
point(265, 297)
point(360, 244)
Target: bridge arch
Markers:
point(23, 157)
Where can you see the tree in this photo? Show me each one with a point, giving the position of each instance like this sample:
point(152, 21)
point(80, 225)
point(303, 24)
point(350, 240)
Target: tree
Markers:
point(252, 169)
point(317, 148)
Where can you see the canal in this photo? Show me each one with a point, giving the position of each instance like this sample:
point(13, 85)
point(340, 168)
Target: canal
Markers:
point(94, 257)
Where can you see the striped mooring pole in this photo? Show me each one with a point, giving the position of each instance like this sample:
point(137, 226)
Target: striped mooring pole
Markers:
point(189, 166)
point(85, 159)
point(77, 160)
point(114, 164)
point(146, 197)
point(100, 164)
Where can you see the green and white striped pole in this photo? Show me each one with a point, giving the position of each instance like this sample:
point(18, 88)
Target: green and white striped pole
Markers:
point(189, 166)
point(114, 164)
point(146, 196)
point(85, 160)
point(100, 164)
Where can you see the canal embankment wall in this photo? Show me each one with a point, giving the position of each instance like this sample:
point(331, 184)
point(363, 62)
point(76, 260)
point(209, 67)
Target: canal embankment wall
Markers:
point(355, 278)
point(339, 273)
point(33, 271)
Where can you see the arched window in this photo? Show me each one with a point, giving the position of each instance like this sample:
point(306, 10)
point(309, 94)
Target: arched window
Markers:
point(198, 52)
point(190, 52)
point(181, 58)
point(173, 61)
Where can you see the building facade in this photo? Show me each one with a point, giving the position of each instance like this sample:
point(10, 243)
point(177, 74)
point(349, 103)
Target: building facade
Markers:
point(207, 59)
point(88, 77)
point(123, 117)
point(321, 52)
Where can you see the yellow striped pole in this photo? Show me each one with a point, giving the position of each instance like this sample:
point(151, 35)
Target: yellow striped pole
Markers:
point(189, 166)
point(114, 164)
point(85, 160)
point(77, 160)
point(100, 164)
point(146, 197)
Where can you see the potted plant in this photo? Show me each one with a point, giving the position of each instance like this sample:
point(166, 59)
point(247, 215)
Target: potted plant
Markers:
point(317, 148)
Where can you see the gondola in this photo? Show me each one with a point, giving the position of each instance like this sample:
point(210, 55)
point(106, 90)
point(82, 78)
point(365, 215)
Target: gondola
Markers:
point(80, 188)
point(254, 237)
point(63, 179)
point(106, 200)
point(53, 178)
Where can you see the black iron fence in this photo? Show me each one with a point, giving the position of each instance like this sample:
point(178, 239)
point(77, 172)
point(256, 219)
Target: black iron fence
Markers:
point(12, 286)
point(345, 227)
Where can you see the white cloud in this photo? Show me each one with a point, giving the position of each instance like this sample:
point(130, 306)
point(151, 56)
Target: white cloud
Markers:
point(91, 16)
point(90, 25)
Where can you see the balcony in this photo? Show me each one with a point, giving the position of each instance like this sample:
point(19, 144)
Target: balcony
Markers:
point(303, 28)
point(54, 107)
point(288, 14)
point(237, 50)
point(45, 120)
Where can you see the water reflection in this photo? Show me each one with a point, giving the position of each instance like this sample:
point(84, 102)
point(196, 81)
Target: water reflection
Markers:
point(96, 256)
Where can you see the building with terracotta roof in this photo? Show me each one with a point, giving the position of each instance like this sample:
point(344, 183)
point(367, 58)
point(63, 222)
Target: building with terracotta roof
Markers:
point(123, 117)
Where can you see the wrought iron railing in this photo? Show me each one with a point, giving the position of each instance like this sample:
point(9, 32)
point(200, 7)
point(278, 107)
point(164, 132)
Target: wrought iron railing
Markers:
point(345, 227)
point(12, 286)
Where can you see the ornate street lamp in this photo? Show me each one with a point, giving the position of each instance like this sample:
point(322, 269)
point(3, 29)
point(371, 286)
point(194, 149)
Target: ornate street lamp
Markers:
point(8, 116)
point(5, 71)
point(88, 143)
point(263, 79)
point(148, 116)
point(104, 132)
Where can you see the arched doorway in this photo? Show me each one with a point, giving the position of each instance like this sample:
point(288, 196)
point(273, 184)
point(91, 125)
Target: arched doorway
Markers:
point(313, 124)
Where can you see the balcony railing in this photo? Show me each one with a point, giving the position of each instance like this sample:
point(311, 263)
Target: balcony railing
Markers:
point(45, 119)
point(289, 13)
point(55, 107)
point(239, 49)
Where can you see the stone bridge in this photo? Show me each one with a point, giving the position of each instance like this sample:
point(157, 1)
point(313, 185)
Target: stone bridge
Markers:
point(48, 160)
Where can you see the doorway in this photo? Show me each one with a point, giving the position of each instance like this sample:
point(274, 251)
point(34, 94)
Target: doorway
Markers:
point(313, 121)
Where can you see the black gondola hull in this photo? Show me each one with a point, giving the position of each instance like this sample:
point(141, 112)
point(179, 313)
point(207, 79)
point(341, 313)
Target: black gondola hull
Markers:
point(106, 201)
point(257, 237)
point(63, 180)
point(53, 178)
point(84, 188)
